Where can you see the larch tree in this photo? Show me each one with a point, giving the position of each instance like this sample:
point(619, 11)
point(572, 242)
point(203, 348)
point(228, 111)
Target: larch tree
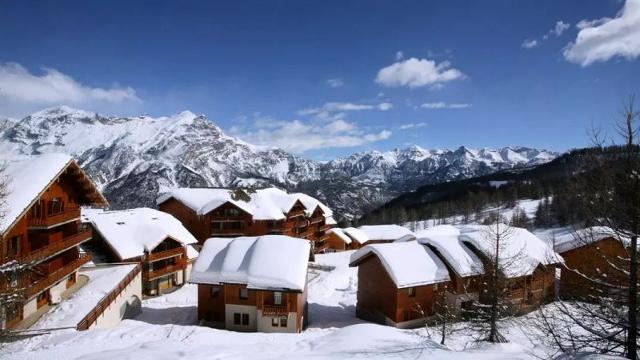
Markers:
point(494, 304)
point(603, 317)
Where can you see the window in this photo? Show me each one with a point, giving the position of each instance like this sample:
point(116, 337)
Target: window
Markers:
point(277, 298)
point(55, 206)
point(283, 321)
point(244, 293)
point(411, 291)
point(274, 322)
point(215, 291)
point(236, 318)
point(245, 319)
point(13, 246)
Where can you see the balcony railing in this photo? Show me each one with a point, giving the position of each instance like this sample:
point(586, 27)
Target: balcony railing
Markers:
point(274, 310)
point(106, 301)
point(295, 213)
point(180, 265)
point(57, 275)
point(48, 221)
point(155, 256)
point(58, 246)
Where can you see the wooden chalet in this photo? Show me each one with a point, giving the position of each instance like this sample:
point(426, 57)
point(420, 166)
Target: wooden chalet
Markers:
point(223, 213)
point(399, 284)
point(156, 240)
point(253, 283)
point(592, 256)
point(466, 269)
point(41, 228)
point(530, 269)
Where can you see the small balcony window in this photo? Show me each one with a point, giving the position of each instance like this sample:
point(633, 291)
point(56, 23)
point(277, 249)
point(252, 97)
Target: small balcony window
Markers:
point(283, 321)
point(277, 298)
point(215, 291)
point(244, 293)
point(411, 291)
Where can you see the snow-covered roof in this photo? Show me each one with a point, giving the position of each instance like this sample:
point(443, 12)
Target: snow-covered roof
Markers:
point(29, 176)
point(463, 261)
point(263, 204)
point(329, 220)
point(131, 233)
point(438, 230)
point(571, 240)
point(520, 250)
point(270, 262)
point(356, 235)
point(340, 234)
point(407, 263)
point(385, 232)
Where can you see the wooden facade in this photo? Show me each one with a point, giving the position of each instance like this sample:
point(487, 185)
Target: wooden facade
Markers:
point(228, 220)
point(596, 261)
point(380, 300)
point(46, 236)
point(235, 307)
point(163, 269)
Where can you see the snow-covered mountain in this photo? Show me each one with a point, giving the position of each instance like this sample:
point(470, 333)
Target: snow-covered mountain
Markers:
point(134, 158)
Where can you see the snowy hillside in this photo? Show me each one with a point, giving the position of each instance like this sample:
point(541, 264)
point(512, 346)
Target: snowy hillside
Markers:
point(166, 330)
point(134, 158)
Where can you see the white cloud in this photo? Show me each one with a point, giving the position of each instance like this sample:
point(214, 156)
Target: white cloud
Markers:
point(298, 136)
point(333, 107)
point(603, 39)
point(335, 82)
point(399, 55)
point(415, 73)
point(557, 30)
point(17, 84)
point(412, 125)
point(443, 105)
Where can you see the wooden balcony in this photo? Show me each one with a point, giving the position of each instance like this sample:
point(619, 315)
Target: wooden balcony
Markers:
point(316, 220)
point(49, 221)
point(275, 310)
point(295, 213)
point(155, 256)
point(106, 301)
point(57, 275)
point(180, 265)
point(56, 247)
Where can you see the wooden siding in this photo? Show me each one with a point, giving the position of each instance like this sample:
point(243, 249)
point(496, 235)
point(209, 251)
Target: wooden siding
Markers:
point(589, 260)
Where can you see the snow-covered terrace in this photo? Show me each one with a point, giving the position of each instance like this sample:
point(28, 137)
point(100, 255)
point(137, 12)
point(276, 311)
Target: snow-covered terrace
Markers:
point(102, 280)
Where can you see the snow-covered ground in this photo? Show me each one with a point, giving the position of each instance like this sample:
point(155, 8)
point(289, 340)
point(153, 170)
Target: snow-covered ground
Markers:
point(166, 330)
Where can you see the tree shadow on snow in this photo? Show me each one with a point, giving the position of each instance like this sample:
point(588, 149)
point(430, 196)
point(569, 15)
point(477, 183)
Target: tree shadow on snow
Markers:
point(179, 315)
point(323, 316)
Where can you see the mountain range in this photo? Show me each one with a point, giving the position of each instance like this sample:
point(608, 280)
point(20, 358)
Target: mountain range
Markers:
point(132, 159)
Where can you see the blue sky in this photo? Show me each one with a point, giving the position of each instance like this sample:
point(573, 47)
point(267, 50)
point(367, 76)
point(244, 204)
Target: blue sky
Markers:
point(326, 79)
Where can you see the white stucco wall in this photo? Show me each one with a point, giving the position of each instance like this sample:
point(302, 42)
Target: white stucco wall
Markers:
point(230, 309)
point(265, 323)
point(115, 312)
point(30, 307)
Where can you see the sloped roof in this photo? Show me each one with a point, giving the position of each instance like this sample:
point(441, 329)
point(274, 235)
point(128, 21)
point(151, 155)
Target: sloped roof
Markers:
point(385, 232)
point(269, 262)
point(131, 233)
point(28, 177)
point(407, 263)
point(263, 204)
point(463, 261)
point(521, 250)
point(571, 240)
point(356, 234)
point(340, 234)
